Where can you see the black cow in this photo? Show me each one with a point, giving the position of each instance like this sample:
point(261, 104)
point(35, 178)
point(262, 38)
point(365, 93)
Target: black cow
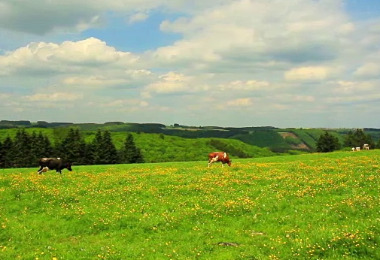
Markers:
point(53, 164)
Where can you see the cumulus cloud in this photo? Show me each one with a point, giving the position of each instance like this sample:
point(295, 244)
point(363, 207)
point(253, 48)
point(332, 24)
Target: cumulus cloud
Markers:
point(257, 55)
point(126, 103)
point(307, 74)
point(42, 16)
point(66, 57)
point(138, 17)
point(352, 88)
point(240, 102)
point(249, 85)
point(53, 97)
point(45, 16)
point(368, 70)
point(171, 82)
point(254, 35)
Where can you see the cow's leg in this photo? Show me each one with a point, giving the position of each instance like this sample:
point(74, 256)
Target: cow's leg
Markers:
point(40, 170)
point(211, 161)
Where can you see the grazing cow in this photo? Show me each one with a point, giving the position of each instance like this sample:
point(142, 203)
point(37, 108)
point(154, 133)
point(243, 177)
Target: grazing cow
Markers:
point(353, 149)
point(357, 149)
point(366, 147)
point(53, 164)
point(218, 157)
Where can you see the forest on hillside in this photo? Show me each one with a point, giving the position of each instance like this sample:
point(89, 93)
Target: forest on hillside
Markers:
point(23, 147)
point(22, 143)
point(25, 150)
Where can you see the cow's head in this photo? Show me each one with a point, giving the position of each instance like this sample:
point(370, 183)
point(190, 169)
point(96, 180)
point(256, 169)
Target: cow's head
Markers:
point(229, 162)
point(68, 166)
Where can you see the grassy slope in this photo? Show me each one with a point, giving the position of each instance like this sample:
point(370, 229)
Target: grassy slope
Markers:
point(173, 148)
point(314, 206)
point(159, 147)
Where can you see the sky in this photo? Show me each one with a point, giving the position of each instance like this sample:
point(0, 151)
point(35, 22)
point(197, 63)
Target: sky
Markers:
point(235, 63)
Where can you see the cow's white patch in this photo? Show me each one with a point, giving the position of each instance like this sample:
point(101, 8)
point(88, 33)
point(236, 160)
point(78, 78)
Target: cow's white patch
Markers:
point(44, 169)
point(225, 155)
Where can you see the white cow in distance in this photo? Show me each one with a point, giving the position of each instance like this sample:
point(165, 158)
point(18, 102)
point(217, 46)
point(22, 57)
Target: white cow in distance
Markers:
point(366, 147)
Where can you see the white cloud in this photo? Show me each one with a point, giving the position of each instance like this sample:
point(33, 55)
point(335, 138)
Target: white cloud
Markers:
point(171, 82)
point(300, 98)
point(294, 55)
point(117, 78)
point(45, 16)
point(307, 74)
point(91, 81)
point(126, 103)
point(240, 102)
point(344, 88)
point(249, 85)
point(368, 70)
point(138, 17)
point(66, 57)
point(262, 30)
point(53, 97)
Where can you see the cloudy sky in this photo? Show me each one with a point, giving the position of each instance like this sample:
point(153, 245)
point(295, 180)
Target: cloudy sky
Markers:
point(293, 63)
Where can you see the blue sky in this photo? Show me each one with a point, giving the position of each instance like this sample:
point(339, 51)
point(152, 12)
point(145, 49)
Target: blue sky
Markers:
point(294, 63)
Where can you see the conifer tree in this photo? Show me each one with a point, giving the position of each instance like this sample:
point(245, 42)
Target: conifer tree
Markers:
point(7, 154)
point(72, 147)
point(40, 147)
point(22, 149)
point(130, 153)
point(1, 155)
point(37, 149)
point(358, 138)
point(109, 151)
point(96, 148)
point(327, 143)
point(48, 148)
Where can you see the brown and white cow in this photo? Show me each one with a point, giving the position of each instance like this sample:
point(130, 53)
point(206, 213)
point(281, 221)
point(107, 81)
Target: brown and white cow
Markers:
point(218, 157)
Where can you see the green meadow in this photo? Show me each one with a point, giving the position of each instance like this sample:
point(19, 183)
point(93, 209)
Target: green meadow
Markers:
point(310, 206)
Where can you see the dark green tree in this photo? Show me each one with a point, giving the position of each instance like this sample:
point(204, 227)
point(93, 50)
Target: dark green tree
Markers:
point(96, 152)
point(327, 143)
point(102, 149)
point(22, 149)
point(48, 150)
point(1, 155)
point(130, 153)
point(41, 147)
point(109, 152)
point(358, 138)
point(7, 153)
point(73, 147)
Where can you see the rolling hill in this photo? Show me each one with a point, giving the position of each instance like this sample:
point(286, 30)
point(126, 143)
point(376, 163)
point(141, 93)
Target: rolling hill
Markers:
point(160, 143)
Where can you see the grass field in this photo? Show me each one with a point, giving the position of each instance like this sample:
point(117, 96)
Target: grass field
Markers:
point(313, 206)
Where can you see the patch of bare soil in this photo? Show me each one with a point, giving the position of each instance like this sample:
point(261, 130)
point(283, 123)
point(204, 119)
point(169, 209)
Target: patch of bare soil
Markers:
point(300, 146)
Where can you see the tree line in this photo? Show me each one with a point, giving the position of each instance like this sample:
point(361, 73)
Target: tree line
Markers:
point(357, 138)
point(25, 149)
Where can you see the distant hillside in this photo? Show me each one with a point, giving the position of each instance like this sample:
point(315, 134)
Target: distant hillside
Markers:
point(275, 139)
point(160, 147)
